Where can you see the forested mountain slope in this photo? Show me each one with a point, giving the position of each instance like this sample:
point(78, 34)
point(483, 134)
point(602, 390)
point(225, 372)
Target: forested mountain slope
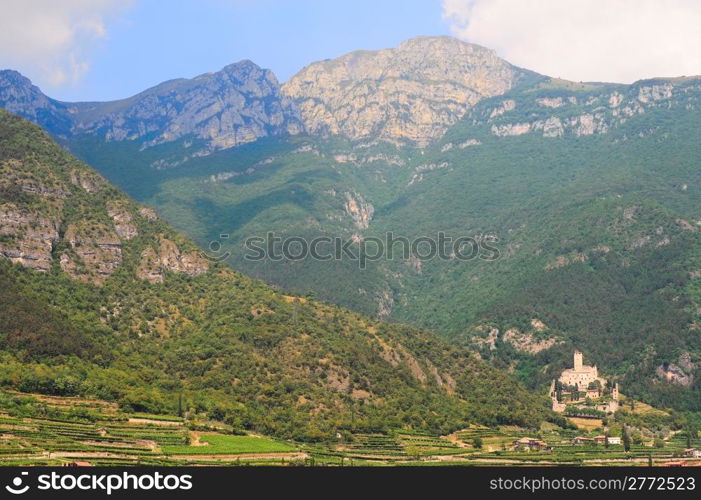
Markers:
point(100, 296)
point(591, 192)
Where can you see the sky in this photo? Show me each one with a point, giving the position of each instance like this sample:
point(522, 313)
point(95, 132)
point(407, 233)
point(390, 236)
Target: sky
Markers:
point(82, 50)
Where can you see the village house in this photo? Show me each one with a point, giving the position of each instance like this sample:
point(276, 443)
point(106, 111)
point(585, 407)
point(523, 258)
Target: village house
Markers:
point(596, 440)
point(582, 440)
point(531, 444)
point(692, 452)
point(600, 440)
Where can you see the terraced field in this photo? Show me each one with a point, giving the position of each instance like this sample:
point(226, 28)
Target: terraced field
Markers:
point(40, 430)
point(36, 430)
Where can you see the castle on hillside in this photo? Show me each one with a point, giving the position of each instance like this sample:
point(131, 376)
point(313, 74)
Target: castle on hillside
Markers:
point(580, 387)
point(580, 374)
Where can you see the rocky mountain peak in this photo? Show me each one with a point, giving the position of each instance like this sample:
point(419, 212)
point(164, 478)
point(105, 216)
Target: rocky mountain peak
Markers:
point(239, 104)
point(19, 96)
point(411, 93)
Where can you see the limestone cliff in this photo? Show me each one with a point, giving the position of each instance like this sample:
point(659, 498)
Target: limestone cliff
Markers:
point(94, 253)
point(556, 108)
point(169, 257)
point(26, 238)
point(56, 210)
point(411, 93)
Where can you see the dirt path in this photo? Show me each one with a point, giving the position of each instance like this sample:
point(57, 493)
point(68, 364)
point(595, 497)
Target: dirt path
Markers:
point(165, 423)
point(243, 456)
point(90, 454)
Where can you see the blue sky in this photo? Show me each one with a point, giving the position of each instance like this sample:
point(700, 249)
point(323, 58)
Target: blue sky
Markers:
point(109, 49)
point(153, 41)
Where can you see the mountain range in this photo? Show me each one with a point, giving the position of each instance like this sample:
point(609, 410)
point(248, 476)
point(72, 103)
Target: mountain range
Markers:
point(589, 191)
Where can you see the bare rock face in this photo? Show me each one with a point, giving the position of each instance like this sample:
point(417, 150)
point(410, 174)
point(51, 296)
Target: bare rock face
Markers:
point(412, 93)
point(27, 238)
point(123, 220)
point(596, 111)
point(359, 210)
point(680, 373)
point(95, 252)
point(169, 257)
point(89, 181)
point(149, 214)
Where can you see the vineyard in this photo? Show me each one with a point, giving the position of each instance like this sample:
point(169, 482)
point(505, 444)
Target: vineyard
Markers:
point(42, 430)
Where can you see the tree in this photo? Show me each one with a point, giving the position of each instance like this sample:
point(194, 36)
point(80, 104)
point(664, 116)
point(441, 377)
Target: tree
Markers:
point(477, 442)
point(626, 439)
point(691, 434)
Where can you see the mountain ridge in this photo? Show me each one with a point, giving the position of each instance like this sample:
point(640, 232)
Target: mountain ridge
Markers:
point(238, 104)
point(410, 93)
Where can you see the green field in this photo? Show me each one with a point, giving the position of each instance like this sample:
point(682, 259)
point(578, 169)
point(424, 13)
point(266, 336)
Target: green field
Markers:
point(219, 444)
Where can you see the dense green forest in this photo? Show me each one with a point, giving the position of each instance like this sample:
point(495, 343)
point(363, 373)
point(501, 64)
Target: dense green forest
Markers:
point(595, 221)
point(215, 342)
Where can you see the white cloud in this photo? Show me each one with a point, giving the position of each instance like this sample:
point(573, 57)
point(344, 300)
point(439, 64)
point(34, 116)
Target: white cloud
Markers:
point(52, 40)
point(590, 40)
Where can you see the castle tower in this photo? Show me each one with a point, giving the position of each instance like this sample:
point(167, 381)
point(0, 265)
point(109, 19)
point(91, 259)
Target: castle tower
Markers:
point(577, 360)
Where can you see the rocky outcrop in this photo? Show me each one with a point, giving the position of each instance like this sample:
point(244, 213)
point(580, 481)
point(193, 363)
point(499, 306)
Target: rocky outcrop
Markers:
point(89, 181)
point(594, 112)
point(27, 238)
point(411, 93)
point(169, 257)
point(528, 342)
point(680, 373)
point(95, 252)
point(55, 210)
point(359, 210)
point(123, 220)
point(148, 213)
point(15, 174)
